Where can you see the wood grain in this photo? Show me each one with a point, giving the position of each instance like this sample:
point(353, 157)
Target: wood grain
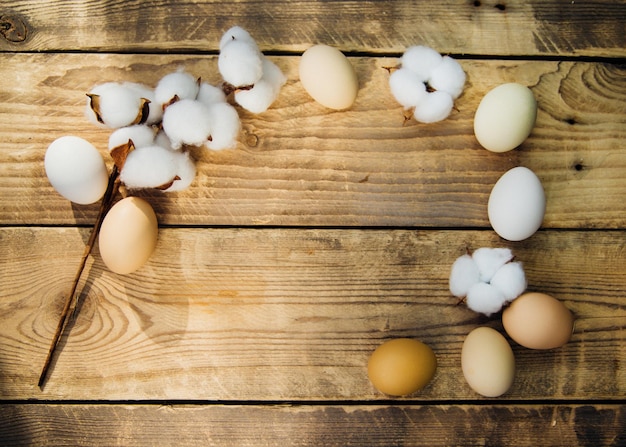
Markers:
point(329, 425)
point(301, 164)
point(487, 27)
point(250, 314)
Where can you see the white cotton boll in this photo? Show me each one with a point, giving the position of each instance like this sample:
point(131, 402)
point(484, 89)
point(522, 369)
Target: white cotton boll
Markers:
point(407, 88)
point(237, 33)
point(484, 298)
point(225, 126)
point(421, 60)
point(185, 170)
point(118, 105)
point(149, 167)
point(489, 260)
point(448, 76)
point(510, 279)
point(187, 122)
point(209, 94)
point(161, 139)
point(240, 63)
point(265, 91)
point(179, 83)
point(140, 134)
point(434, 107)
point(155, 110)
point(463, 275)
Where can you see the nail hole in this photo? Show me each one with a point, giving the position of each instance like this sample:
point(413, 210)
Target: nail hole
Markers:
point(500, 6)
point(579, 166)
point(476, 3)
point(570, 121)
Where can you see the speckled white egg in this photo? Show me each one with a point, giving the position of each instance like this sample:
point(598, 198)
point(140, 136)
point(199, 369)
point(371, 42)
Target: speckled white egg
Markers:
point(517, 204)
point(505, 117)
point(76, 170)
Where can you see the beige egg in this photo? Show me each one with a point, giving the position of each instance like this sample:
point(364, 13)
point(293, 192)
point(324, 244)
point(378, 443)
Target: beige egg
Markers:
point(487, 362)
point(128, 235)
point(401, 366)
point(505, 117)
point(538, 321)
point(328, 76)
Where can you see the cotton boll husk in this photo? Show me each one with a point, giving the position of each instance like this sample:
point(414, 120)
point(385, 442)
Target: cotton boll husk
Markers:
point(484, 298)
point(237, 33)
point(406, 87)
point(179, 83)
point(209, 94)
point(240, 63)
point(119, 105)
point(185, 170)
point(149, 167)
point(448, 76)
point(510, 279)
point(187, 122)
point(489, 260)
point(140, 134)
point(435, 106)
point(463, 275)
point(155, 109)
point(421, 60)
point(226, 126)
point(260, 97)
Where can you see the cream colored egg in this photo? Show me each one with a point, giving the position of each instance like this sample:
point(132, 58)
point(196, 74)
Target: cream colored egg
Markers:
point(76, 169)
point(517, 204)
point(538, 321)
point(128, 235)
point(328, 76)
point(401, 366)
point(487, 362)
point(505, 117)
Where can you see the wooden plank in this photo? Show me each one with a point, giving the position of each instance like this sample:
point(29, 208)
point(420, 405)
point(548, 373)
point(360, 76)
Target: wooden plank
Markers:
point(291, 314)
point(300, 164)
point(405, 425)
point(485, 27)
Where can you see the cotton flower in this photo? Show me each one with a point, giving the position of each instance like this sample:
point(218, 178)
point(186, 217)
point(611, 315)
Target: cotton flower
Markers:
point(209, 94)
point(141, 135)
point(149, 167)
point(225, 126)
point(428, 83)
point(187, 122)
point(155, 110)
point(487, 279)
point(116, 105)
point(240, 63)
point(237, 33)
point(180, 84)
point(185, 172)
point(265, 91)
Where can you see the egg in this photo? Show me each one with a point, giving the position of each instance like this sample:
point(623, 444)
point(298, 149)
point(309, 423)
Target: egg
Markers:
point(76, 170)
point(328, 76)
point(128, 235)
point(505, 117)
point(401, 366)
point(538, 321)
point(487, 362)
point(517, 204)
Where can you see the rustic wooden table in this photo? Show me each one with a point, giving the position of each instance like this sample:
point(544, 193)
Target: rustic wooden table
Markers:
point(320, 236)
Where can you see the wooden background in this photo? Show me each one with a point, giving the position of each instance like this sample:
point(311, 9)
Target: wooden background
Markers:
point(320, 236)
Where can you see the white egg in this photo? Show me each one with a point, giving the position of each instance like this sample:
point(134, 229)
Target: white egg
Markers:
point(517, 204)
point(505, 117)
point(76, 169)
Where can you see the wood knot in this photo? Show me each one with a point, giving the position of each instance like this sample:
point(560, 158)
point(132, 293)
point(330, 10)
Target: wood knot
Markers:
point(13, 28)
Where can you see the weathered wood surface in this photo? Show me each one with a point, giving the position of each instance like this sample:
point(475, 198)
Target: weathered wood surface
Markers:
point(298, 164)
point(475, 27)
point(336, 425)
point(321, 235)
point(236, 314)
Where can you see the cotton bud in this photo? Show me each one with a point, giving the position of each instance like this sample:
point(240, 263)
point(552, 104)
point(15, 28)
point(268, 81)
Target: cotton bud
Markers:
point(421, 60)
point(484, 298)
point(265, 91)
point(464, 274)
point(240, 63)
point(225, 126)
point(185, 172)
point(187, 122)
point(116, 105)
point(435, 106)
point(448, 76)
point(489, 260)
point(407, 88)
point(149, 167)
point(177, 85)
point(510, 280)
point(141, 135)
point(155, 110)
point(209, 94)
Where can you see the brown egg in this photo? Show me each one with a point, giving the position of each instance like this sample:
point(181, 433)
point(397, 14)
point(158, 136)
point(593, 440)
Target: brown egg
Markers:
point(401, 366)
point(538, 321)
point(128, 235)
